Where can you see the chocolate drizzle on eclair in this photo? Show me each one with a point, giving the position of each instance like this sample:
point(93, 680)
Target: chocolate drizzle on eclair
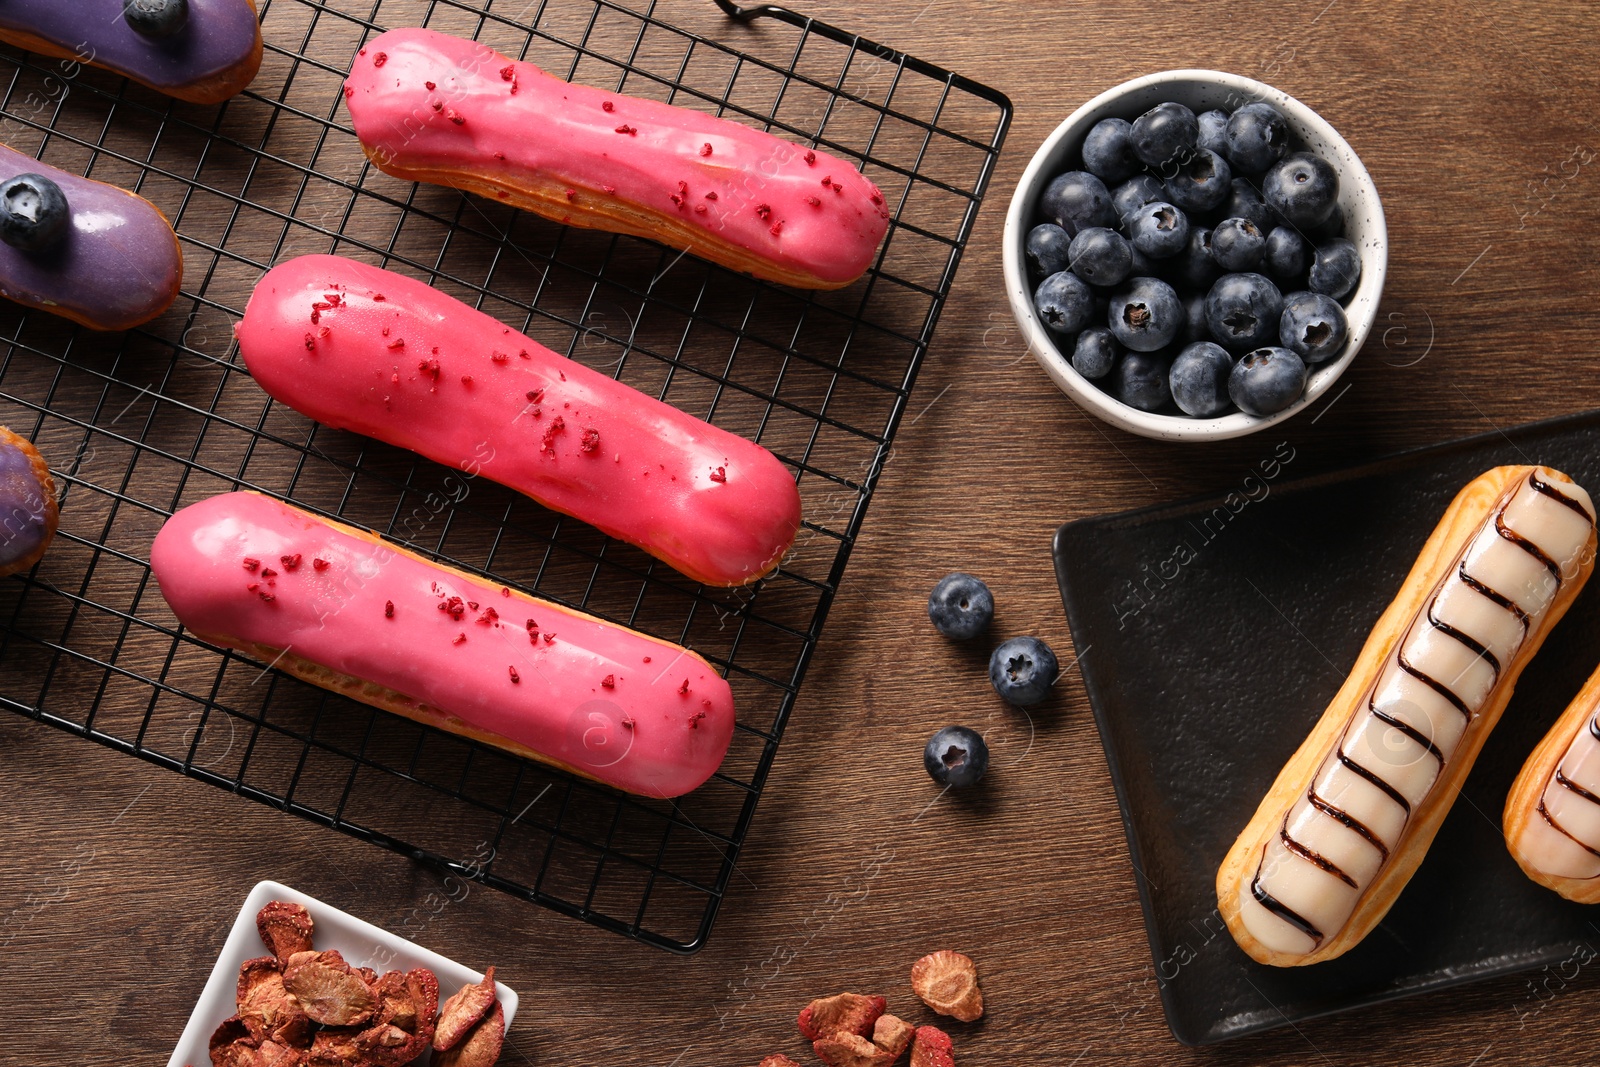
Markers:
point(1481, 652)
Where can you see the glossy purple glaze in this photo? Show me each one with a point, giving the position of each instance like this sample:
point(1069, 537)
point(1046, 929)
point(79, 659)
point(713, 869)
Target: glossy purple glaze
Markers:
point(118, 265)
point(219, 35)
point(24, 525)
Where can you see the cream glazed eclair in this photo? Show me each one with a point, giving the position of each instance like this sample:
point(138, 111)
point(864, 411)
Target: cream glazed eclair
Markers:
point(429, 107)
point(1552, 814)
point(1352, 813)
point(345, 610)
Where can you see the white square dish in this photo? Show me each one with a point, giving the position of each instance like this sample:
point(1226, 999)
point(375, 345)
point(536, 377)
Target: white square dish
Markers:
point(361, 943)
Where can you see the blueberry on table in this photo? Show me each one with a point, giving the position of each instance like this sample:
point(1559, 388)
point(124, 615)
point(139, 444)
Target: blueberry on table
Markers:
point(1286, 255)
point(1194, 266)
point(960, 606)
point(1242, 311)
point(1201, 181)
point(1075, 200)
point(1213, 131)
point(1108, 151)
point(1245, 202)
point(1267, 380)
point(1100, 256)
point(1335, 269)
point(156, 18)
point(1135, 193)
point(1159, 230)
point(1142, 380)
point(1200, 379)
point(33, 213)
point(1145, 314)
point(1164, 133)
point(1022, 670)
point(1313, 326)
point(1095, 353)
point(1064, 302)
point(1046, 250)
point(1238, 245)
point(956, 757)
point(1303, 188)
point(1258, 136)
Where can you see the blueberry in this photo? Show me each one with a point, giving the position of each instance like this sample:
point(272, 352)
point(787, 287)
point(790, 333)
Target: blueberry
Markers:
point(1244, 202)
point(1064, 302)
point(1022, 670)
point(1135, 193)
point(1313, 326)
point(1101, 256)
point(1046, 250)
point(1328, 228)
point(1267, 380)
point(1286, 256)
point(1199, 379)
point(1303, 188)
point(1242, 311)
point(1164, 133)
point(1159, 230)
point(1258, 136)
point(956, 757)
point(1194, 319)
point(1335, 269)
point(1096, 353)
point(1238, 244)
point(1145, 314)
point(1213, 131)
point(1194, 266)
point(1142, 380)
point(156, 18)
point(1075, 200)
point(960, 606)
point(33, 213)
point(1200, 182)
point(1108, 151)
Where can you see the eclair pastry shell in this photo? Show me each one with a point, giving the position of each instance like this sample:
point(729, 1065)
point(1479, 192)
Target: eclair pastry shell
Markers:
point(1526, 792)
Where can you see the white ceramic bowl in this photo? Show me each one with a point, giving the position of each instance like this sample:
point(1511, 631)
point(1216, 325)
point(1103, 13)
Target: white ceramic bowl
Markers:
point(1200, 90)
point(361, 944)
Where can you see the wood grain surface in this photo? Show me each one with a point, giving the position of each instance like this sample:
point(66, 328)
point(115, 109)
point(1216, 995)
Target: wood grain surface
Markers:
point(121, 879)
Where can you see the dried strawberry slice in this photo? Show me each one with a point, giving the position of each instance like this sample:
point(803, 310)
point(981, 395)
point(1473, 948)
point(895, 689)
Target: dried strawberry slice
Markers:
point(893, 1034)
point(462, 1012)
point(285, 928)
point(844, 1049)
point(265, 1007)
point(481, 1047)
point(404, 1028)
point(231, 1045)
point(850, 1012)
point(947, 982)
point(325, 988)
point(275, 1054)
point(335, 1048)
point(932, 1048)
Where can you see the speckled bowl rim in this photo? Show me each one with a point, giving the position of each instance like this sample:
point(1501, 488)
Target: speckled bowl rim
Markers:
point(1358, 197)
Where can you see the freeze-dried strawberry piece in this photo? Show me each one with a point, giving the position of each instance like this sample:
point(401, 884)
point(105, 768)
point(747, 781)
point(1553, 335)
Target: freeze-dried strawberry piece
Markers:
point(335, 1048)
point(231, 1045)
point(285, 928)
point(368, 975)
point(777, 1061)
point(932, 1048)
point(403, 1030)
point(893, 1034)
point(844, 1049)
point(264, 1004)
point(850, 1012)
point(462, 1012)
point(325, 988)
point(277, 1054)
point(947, 982)
point(481, 1048)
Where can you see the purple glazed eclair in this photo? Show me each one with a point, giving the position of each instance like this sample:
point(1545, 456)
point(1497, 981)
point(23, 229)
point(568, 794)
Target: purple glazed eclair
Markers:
point(202, 51)
point(27, 504)
point(116, 266)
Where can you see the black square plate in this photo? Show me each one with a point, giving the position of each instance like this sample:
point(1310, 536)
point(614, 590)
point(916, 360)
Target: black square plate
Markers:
point(1212, 634)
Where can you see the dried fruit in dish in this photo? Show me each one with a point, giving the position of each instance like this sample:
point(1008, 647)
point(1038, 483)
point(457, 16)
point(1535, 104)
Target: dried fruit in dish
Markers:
point(265, 1007)
point(947, 982)
point(285, 928)
point(462, 1012)
point(328, 990)
point(481, 1047)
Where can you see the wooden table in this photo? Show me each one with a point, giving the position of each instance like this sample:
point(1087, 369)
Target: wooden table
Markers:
point(1472, 120)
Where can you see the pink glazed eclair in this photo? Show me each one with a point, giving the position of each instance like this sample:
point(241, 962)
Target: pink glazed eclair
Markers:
point(342, 609)
point(365, 349)
point(429, 107)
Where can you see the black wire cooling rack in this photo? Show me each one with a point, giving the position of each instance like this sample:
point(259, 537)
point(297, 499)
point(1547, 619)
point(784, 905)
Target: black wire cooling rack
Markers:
point(141, 424)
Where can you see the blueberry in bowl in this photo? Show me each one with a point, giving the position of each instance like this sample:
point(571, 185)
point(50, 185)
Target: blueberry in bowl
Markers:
point(1278, 203)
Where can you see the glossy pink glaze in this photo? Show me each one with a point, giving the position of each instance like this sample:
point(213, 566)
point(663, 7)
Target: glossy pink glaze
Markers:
point(660, 728)
point(509, 120)
point(365, 349)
